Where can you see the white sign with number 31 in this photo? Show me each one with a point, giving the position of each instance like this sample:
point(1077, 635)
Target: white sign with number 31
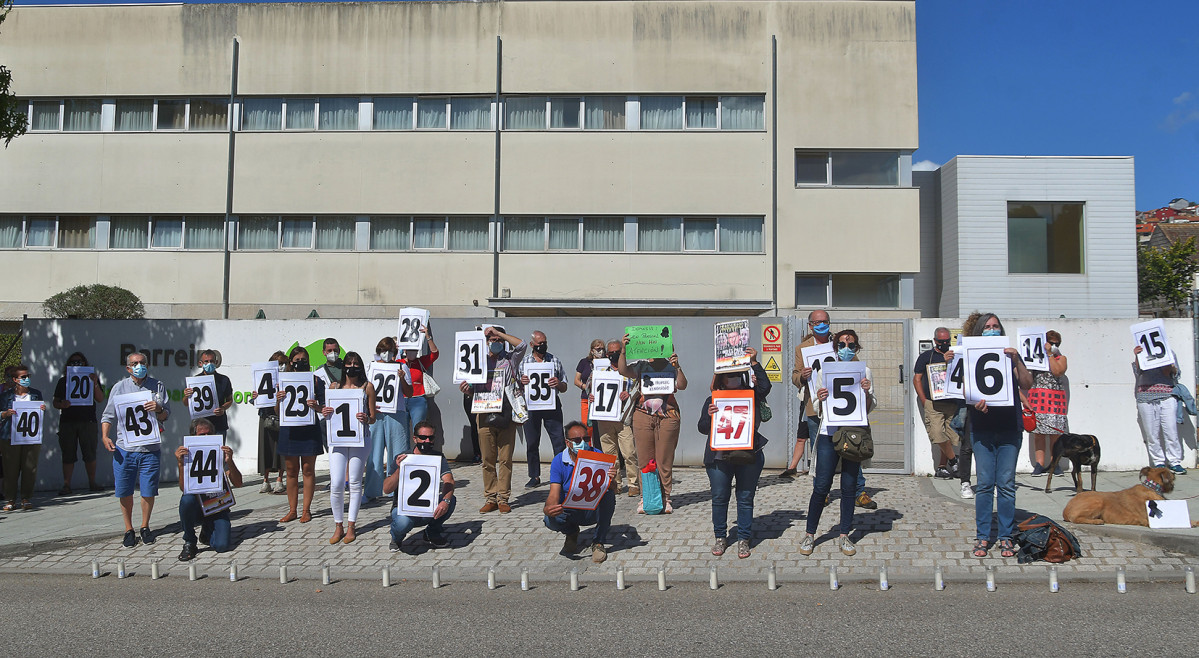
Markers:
point(470, 357)
point(589, 480)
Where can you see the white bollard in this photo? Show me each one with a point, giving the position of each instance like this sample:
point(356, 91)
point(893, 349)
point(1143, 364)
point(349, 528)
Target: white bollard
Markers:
point(386, 576)
point(661, 579)
point(713, 583)
point(939, 579)
point(1053, 584)
point(574, 579)
point(191, 572)
point(524, 580)
point(833, 584)
point(233, 571)
point(772, 582)
point(883, 585)
point(1190, 580)
point(121, 568)
point(436, 577)
point(325, 573)
point(95, 569)
point(990, 579)
point(1121, 581)
point(620, 577)
point(283, 574)
point(490, 577)
point(154, 574)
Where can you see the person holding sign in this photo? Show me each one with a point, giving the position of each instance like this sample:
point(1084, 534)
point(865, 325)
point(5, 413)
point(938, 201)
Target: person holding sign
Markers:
point(75, 396)
point(417, 402)
point(848, 346)
point(268, 438)
point(497, 430)
point(996, 433)
point(1048, 399)
point(541, 387)
point(140, 463)
point(20, 460)
point(656, 417)
point(349, 460)
point(389, 436)
point(1157, 411)
point(300, 446)
point(560, 518)
point(745, 466)
point(937, 413)
point(224, 393)
point(616, 436)
point(583, 377)
point(214, 525)
point(423, 436)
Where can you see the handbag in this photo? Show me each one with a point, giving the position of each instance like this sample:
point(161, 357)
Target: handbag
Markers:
point(854, 444)
point(651, 489)
point(1030, 420)
point(431, 387)
point(764, 412)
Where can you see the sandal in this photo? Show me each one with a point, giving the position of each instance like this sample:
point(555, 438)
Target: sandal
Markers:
point(980, 548)
point(25, 504)
point(1006, 548)
point(9, 507)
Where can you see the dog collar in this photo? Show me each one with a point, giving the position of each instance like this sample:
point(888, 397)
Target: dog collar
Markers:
point(1152, 486)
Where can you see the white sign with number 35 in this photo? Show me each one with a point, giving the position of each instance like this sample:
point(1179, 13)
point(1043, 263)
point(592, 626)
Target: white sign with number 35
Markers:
point(539, 395)
point(589, 480)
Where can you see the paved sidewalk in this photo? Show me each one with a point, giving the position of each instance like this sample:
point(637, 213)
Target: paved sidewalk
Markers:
point(915, 529)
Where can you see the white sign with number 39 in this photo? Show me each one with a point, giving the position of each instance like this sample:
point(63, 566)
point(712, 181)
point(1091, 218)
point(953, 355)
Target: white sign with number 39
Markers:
point(589, 480)
point(1155, 349)
point(420, 484)
point(203, 401)
point(204, 465)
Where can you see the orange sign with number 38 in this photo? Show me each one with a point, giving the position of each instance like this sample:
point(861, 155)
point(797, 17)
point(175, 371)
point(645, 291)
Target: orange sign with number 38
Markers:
point(733, 422)
point(589, 480)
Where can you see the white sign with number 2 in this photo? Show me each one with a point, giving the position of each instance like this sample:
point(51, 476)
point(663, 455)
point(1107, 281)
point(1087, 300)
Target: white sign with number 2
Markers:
point(589, 480)
point(420, 484)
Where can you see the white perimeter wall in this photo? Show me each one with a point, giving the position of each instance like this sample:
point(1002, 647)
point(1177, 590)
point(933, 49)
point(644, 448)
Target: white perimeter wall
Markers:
point(1099, 353)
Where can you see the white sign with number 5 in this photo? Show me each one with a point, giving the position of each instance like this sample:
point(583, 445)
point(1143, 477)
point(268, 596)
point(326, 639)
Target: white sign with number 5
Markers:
point(420, 484)
point(266, 383)
point(135, 425)
point(79, 385)
point(605, 392)
point(203, 401)
point(27, 422)
point(1155, 349)
point(298, 388)
point(589, 480)
point(1034, 351)
point(539, 395)
point(410, 336)
point(846, 401)
point(470, 357)
point(204, 465)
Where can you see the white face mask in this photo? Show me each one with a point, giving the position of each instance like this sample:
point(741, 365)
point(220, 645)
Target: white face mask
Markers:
point(385, 356)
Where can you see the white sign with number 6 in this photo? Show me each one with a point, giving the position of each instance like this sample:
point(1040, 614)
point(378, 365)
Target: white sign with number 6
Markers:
point(815, 357)
point(135, 425)
point(1155, 349)
point(386, 379)
point(204, 465)
point(605, 392)
point(266, 383)
point(589, 480)
point(79, 385)
point(343, 429)
point(298, 388)
point(846, 401)
point(989, 376)
point(203, 400)
point(27, 423)
point(420, 484)
point(1034, 351)
point(539, 395)
point(410, 336)
point(470, 357)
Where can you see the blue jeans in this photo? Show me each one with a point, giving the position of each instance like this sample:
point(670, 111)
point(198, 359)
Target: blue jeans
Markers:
point(418, 410)
point(136, 468)
point(390, 434)
point(826, 467)
point(813, 429)
point(569, 521)
point(995, 461)
point(720, 477)
point(553, 427)
point(401, 525)
point(191, 514)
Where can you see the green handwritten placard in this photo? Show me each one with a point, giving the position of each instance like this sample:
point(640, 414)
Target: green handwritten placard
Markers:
point(649, 342)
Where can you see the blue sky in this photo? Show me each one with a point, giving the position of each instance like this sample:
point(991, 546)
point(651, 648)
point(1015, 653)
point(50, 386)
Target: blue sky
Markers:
point(1061, 77)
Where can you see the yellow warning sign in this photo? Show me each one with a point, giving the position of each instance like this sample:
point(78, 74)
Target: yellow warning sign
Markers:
point(773, 371)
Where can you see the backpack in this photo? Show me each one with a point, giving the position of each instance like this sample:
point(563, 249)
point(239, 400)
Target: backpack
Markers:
point(1041, 538)
point(853, 443)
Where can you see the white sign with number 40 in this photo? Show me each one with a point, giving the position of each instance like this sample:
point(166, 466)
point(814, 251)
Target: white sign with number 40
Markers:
point(589, 480)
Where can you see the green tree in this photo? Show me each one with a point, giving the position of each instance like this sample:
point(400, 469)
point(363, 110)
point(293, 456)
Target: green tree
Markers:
point(1165, 275)
point(95, 302)
point(12, 112)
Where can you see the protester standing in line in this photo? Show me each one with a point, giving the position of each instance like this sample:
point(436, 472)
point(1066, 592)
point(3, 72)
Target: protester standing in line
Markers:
point(390, 433)
point(268, 439)
point(1157, 410)
point(351, 461)
point(583, 379)
point(215, 528)
point(78, 431)
point(418, 402)
point(550, 418)
point(1047, 392)
point(497, 438)
point(300, 446)
point(937, 414)
point(616, 436)
point(209, 362)
point(655, 420)
point(20, 461)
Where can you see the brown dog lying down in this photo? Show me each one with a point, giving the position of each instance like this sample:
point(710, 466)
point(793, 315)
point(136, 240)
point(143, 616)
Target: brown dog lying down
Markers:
point(1125, 507)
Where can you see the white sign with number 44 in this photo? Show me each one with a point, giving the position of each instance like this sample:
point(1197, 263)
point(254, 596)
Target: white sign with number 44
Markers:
point(204, 465)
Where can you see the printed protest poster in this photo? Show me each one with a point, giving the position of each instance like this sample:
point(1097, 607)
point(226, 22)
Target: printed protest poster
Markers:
point(731, 341)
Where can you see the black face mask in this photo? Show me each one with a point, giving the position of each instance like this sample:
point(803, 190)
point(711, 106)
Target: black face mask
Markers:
point(541, 348)
point(942, 345)
point(424, 446)
point(300, 366)
point(75, 364)
point(354, 371)
point(614, 356)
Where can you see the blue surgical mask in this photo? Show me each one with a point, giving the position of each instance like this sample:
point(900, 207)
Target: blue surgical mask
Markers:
point(24, 381)
point(496, 347)
point(581, 444)
point(209, 368)
point(845, 354)
point(138, 370)
point(820, 328)
point(992, 332)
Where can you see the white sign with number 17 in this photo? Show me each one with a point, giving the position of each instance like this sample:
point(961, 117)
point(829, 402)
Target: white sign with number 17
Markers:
point(605, 396)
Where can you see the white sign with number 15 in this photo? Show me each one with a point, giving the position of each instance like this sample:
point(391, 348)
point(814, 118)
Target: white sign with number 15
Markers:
point(1155, 349)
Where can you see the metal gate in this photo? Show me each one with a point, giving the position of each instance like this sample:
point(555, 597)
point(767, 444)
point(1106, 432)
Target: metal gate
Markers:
point(885, 351)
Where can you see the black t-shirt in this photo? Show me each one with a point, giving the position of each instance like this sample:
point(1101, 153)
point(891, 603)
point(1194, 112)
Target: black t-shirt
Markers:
point(584, 369)
point(224, 393)
point(84, 412)
point(922, 363)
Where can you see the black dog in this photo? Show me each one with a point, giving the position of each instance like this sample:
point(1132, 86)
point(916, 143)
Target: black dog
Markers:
point(1080, 449)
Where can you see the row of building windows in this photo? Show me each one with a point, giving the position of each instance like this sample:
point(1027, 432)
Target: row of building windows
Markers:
point(389, 233)
point(732, 113)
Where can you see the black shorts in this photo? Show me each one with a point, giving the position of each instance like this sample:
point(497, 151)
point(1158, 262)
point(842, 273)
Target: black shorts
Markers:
point(77, 436)
point(802, 432)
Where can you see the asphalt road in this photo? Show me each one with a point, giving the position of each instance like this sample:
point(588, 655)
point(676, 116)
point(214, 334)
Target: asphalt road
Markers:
point(212, 617)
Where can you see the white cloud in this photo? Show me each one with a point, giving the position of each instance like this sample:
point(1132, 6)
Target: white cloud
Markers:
point(925, 165)
point(1185, 112)
point(1182, 98)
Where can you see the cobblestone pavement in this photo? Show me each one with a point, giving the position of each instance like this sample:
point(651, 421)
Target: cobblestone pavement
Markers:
point(913, 530)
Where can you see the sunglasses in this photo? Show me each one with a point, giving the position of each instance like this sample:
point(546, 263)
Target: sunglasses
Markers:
point(852, 346)
point(425, 436)
point(1055, 344)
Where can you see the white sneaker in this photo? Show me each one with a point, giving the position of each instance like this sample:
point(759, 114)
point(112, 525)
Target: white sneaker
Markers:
point(266, 487)
point(967, 490)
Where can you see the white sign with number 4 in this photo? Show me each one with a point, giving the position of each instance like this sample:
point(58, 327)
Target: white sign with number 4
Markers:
point(266, 383)
point(204, 465)
point(1034, 351)
point(410, 336)
point(605, 392)
point(27, 422)
point(420, 484)
point(470, 357)
point(1155, 349)
point(539, 395)
point(589, 480)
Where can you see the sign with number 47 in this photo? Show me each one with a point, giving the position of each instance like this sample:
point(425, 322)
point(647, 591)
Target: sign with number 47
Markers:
point(589, 480)
point(733, 422)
